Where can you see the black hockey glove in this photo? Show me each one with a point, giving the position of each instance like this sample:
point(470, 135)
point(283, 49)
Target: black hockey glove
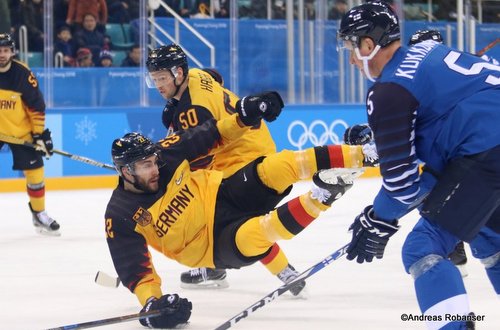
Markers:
point(252, 108)
point(362, 134)
point(44, 143)
point(175, 310)
point(369, 236)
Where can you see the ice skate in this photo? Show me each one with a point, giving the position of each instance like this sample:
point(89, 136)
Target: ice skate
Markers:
point(329, 185)
point(204, 278)
point(459, 258)
point(289, 274)
point(44, 224)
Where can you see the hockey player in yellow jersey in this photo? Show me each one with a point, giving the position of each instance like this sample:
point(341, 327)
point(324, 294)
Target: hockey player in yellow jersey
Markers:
point(193, 97)
point(201, 219)
point(22, 115)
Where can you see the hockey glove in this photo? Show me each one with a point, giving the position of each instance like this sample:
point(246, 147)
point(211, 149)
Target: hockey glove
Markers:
point(358, 135)
point(369, 236)
point(175, 311)
point(44, 143)
point(362, 135)
point(370, 154)
point(252, 108)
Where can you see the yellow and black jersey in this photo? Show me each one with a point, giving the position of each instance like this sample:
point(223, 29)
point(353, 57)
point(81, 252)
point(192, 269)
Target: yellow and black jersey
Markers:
point(205, 99)
point(177, 221)
point(22, 108)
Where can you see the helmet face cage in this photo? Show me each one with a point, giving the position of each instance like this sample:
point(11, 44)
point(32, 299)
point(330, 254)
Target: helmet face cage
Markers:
point(7, 41)
point(374, 20)
point(168, 57)
point(132, 147)
point(422, 35)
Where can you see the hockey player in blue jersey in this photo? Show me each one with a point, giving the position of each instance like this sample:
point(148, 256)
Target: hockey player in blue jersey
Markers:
point(431, 104)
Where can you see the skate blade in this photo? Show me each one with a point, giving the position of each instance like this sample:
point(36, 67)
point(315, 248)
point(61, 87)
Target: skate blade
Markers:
point(45, 232)
point(207, 285)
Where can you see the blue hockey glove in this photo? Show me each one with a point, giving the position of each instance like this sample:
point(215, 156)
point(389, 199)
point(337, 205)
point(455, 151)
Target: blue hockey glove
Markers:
point(252, 108)
point(44, 143)
point(369, 236)
point(176, 311)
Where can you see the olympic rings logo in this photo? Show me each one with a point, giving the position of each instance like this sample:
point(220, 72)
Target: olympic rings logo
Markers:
point(317, 133)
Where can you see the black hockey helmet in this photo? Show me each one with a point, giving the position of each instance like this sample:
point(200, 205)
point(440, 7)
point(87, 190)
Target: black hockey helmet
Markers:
point(422, 35)
point(7, 41)
point(131, 148)
point(375, 20)
point(166, 57)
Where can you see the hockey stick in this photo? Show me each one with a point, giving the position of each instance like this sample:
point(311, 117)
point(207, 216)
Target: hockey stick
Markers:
point(112, 320)
point(106, 280)
point(14, 140)
point(488, 47)
point(282, 289)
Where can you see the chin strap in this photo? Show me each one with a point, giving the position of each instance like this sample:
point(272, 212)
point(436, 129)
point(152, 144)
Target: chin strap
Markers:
point(177, 87)
point(365, 60)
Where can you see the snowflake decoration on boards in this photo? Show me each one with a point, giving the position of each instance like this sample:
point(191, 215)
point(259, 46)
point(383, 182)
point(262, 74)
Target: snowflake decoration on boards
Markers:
point(85, 130)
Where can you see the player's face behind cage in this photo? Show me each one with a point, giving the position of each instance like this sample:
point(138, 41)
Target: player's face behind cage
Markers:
point(165, 59)
point(6, 49)
point(161, 79)
point(132, 148)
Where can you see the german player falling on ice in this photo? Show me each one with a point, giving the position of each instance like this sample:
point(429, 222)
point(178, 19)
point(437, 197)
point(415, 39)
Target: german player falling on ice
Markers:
point(201, 219)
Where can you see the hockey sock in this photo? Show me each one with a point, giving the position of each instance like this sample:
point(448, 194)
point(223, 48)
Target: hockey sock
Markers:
point(276, 260)
point(258, 234)
point(280, 170)
point(36, 188)
point(440, 290)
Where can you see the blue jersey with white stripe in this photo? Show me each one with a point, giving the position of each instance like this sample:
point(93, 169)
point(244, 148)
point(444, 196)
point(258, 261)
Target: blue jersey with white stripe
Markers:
point(431, 104)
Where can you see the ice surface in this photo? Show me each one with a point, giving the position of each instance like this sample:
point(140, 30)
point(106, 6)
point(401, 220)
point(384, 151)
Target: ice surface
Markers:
point(49, 281)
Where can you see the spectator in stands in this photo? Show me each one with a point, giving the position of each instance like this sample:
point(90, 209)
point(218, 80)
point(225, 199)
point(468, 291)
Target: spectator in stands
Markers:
point(64, 44)
point(221, 8)
point(5, 16)
point(84, 58)
point(105, 59)
point(60, 12)
point(133, 58)
point(279, 9)
point(182, 7)
point(31, 13)
point(122, 11)
point(338, 10)
point(201, 9)
point(78, 9)
point(90, 37)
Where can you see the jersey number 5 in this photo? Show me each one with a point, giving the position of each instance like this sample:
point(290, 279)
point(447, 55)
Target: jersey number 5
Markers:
point(476, 68)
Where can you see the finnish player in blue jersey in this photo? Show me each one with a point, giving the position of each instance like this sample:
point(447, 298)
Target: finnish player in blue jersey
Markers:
point(431, 104)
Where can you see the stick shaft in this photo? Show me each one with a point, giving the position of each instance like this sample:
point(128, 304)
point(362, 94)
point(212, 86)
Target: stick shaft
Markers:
point(279, 291)
point(14, 140)
point(112, 320)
